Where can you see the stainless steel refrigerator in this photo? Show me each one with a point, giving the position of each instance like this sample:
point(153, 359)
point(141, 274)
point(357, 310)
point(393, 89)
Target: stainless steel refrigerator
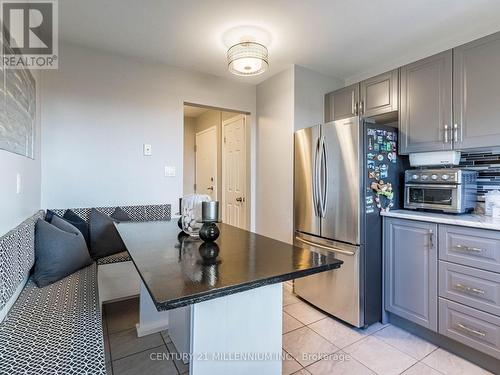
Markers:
point(335, 211)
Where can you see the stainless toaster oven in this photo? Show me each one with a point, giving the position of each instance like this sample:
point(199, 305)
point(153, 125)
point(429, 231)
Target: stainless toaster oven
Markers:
point(451, 190)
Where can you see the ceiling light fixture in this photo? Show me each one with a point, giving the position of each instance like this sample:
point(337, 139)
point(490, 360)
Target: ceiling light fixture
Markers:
point(247, 59)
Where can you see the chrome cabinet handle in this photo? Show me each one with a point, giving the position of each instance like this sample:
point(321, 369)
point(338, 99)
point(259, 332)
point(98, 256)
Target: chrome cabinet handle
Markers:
point(455, 133)
point(446, 139)
point(469, 289)
point(469, 249)
point(431, 238)
point(470, 330)
point(362, 107)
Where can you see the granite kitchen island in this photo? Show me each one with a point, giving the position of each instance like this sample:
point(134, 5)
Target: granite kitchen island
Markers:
point(223, 314)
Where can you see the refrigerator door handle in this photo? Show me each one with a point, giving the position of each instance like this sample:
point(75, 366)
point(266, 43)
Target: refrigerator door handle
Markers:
point(334, 249)
point(324, 185)
point(315, 180)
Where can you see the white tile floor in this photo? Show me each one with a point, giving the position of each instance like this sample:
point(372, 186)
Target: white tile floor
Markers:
point(316, 344)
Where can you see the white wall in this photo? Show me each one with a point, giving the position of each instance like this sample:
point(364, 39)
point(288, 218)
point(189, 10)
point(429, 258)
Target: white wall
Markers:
point(274, 156)
point(15, 208)
point(310, 90)
point(290, 100)
point(100, 108)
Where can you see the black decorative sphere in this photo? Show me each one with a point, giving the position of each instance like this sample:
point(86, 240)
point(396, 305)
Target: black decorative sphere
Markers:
point(209, 251)
point(209, 232)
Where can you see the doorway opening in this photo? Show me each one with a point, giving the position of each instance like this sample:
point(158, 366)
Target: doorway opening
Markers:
point(216, 159)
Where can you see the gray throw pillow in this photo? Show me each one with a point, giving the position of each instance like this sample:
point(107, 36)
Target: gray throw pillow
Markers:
point(104, 238)
point(60, 250)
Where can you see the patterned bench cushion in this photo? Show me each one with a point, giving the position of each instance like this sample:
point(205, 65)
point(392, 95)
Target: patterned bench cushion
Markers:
point(56, 329)
point(115, 258)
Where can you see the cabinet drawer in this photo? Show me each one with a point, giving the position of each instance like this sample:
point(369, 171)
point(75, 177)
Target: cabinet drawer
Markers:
point(470, 286)
point(471, 327)
point(478, 248)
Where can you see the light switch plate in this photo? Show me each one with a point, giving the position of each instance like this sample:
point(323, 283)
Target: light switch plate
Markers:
point(169, 171)
point(148, 150)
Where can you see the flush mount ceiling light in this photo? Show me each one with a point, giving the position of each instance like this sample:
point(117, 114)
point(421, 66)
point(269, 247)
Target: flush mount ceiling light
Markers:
point(247, 59)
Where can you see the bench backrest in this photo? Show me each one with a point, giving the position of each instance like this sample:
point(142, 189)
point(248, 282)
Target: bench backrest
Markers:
point(137, 213)
point(17, 256)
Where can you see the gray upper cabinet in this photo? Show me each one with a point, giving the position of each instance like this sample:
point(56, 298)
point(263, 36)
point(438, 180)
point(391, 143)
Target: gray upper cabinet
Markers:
point(410, 270)
point(342, 103)
point(476, 93)
point(425, 116)
point(379, 95)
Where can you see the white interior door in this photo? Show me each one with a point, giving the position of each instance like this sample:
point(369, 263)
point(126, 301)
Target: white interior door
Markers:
point(206, 162)
point(234, 171)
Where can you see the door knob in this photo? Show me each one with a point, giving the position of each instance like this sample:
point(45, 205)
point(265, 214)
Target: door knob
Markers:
point(240, 199)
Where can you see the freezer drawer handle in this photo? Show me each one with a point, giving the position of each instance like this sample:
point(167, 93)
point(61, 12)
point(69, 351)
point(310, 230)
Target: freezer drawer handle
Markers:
point(470, 330)
point(468, 289)
point(469, 249)
point(313, 244)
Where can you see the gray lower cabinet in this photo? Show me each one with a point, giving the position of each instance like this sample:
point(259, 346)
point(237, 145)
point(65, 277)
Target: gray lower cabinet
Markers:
point(471, 327)
point(476, 93)
point(425, 114)
point(410, 270)
point(380, 94)
point(342, 103)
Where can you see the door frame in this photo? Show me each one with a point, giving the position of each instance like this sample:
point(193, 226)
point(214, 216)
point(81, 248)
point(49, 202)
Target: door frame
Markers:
point(223, 181)
point(212, 128)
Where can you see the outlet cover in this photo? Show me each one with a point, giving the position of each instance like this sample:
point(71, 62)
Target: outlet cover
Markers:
point(148, 150)
point(169, 171)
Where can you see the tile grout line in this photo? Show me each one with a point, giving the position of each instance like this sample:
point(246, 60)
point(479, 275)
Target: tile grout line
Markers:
point(409, 355)
point(169, 351)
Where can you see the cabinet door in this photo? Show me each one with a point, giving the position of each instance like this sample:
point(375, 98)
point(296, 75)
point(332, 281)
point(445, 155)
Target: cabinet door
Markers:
point(342, 103)
point(410, 270)
point(379, 94)
point(476, 93)
point(426, 109)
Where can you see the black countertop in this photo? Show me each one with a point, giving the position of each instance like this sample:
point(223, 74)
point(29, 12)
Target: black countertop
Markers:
point(176, 275)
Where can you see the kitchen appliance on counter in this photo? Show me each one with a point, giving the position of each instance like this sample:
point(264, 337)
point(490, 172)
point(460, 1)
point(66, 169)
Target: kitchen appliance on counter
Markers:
point(450, 190)
point(335, 211)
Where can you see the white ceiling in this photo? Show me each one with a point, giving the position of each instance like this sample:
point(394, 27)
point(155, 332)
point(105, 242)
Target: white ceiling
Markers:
point(348, 39)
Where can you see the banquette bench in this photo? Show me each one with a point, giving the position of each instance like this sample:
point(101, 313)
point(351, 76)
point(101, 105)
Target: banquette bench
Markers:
point(56, 329)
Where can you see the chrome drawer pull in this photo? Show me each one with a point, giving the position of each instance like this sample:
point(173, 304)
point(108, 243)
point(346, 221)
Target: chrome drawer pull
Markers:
point(468, 289)
point(470, 330)
point(469, 249)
